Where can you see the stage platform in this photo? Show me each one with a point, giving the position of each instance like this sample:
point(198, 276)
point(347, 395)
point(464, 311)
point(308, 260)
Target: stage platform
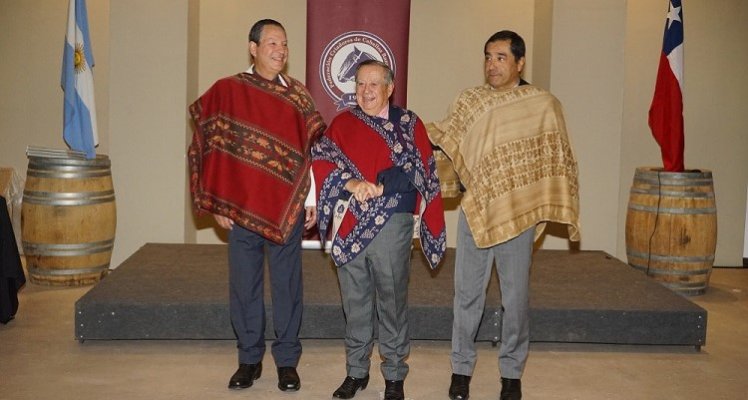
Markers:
point(180, 291)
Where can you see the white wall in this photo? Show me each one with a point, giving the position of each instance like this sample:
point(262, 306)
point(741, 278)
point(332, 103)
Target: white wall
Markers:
point(148, 121)
point(715, 98)
point(600, 58)
point(745, 237)
point(31, 43)
point(587, 77)
point(446, 57)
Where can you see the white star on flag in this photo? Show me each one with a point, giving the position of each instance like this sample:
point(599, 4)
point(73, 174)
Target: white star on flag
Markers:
point(673, 15)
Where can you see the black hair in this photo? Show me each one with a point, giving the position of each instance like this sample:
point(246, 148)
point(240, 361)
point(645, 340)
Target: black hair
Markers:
point(516, 43)
point(256, 32)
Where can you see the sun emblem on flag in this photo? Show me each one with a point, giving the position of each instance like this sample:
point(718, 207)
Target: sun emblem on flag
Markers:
point(80, 58)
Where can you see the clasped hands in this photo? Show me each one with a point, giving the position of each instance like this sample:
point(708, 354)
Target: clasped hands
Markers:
point(363, 190)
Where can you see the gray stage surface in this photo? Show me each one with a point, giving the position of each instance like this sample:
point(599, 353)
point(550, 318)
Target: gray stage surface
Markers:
point(180, 291)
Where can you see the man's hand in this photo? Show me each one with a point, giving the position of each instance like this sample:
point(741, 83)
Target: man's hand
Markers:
point(363, 190)
point(223, 222)
point(311, 217)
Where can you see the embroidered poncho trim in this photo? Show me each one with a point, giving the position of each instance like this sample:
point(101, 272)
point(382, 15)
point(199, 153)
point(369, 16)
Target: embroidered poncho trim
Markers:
point(403, 138)
point(249, 158)
point(512, 154)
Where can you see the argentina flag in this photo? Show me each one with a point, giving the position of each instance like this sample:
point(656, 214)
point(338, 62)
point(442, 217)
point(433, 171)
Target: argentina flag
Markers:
point(79, 119)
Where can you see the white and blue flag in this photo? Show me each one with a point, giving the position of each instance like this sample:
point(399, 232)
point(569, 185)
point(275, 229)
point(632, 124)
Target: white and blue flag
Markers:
point(79, 119)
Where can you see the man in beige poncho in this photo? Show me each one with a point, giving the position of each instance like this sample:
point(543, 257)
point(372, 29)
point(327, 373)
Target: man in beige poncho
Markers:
point(507, 142)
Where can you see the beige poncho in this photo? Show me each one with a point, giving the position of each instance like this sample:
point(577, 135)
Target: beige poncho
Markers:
point(512, 155)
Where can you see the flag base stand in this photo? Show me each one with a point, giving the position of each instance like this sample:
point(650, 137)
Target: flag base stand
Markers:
point(68, 219)
point(671, 227)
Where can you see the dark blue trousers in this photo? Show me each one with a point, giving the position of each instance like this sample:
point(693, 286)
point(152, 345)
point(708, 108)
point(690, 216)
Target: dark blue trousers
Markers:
point(247, 252)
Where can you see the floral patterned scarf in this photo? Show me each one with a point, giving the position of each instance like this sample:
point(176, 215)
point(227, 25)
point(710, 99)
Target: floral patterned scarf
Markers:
point(360, 146)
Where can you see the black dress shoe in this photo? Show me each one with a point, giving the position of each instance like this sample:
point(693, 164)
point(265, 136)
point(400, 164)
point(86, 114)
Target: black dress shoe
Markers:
point(459, 389)
point(245, 376)
point(350, 386)
point(511, 389)
point(288, 379)
point(393, 390)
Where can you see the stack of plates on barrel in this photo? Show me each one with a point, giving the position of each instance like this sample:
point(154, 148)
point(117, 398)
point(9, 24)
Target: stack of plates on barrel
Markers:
point(45, 152)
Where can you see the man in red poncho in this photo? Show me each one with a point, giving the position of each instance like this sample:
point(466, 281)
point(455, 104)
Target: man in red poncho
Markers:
point(378, 158)
point(249, 167)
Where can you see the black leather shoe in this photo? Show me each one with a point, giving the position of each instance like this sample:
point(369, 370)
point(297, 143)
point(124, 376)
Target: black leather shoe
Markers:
point(288, 379)
point(350, 386)
point(393, 390)
point(511, 389)
point(459, 389)
point(245, 376)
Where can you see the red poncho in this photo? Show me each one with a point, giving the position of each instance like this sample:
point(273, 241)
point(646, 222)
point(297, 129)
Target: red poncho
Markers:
point(359, 146)
point(249, 158)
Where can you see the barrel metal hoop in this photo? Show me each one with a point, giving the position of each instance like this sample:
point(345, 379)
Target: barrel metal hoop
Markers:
point(68, 198)
point(673, 182)
point(684, 285)
point(673, 193)
point(658, 271)
point(690, 292)
point(660, 175)
point(679, 211)
point(65, 272)
point(675, 259)
point(54, 162)
point(69, 173)
point(72, 249)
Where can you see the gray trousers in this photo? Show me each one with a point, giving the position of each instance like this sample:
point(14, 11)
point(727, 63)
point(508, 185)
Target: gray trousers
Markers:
point(473, 268)
point(375, 284)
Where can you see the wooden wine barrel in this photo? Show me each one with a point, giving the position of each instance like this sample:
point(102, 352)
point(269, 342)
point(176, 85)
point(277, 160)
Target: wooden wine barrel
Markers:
point(671, 228)
point(68, 220)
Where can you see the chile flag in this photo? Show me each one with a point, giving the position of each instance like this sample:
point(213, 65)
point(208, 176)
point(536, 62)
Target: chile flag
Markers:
point(666, 111)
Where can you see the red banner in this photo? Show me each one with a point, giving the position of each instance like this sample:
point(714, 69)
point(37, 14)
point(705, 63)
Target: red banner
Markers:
point(343, 33)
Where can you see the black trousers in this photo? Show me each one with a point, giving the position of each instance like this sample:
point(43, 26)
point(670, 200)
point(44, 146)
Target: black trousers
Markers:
point(247, 252)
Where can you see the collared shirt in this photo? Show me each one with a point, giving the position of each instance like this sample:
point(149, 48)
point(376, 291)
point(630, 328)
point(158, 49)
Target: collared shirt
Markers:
point(279, 78)
point(385, 113)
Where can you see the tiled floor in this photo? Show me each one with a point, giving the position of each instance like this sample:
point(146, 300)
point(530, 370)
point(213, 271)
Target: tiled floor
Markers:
point(40, 359)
